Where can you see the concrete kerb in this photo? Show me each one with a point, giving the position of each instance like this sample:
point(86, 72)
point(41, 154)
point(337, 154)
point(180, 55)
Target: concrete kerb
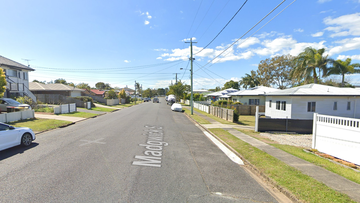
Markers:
point(251, 168)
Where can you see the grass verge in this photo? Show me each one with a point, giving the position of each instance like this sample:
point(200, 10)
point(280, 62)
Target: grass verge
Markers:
point(102, 109)
point(127, 105)
point(197, 118)
point(38, 125)
point(322, 162)
point(300, 185)
point(79, 114)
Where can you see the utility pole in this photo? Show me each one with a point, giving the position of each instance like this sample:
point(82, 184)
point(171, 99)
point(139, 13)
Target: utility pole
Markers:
point(176, 77)
point(191, 59)
point(135, 92)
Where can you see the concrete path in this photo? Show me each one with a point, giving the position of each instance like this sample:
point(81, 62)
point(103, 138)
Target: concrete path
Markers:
point(104, 106)
point(56, 117)
point(330, 179)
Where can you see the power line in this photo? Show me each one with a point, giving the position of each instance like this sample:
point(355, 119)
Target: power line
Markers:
point(213, 20)
point(185, 70)
point(247, 32)
point(194, 19)
point(223, 27)
point(203, 17)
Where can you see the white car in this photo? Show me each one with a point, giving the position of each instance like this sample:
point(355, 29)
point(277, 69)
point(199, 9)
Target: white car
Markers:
point(176, 107)
point(11, 136)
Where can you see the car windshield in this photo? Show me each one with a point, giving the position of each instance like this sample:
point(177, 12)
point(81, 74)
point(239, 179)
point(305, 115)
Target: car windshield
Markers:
point(10, 101)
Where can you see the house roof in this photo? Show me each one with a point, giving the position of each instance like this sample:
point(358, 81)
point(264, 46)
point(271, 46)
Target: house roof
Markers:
point(35, 86)
point(14, 64)
point(99, 92)
point(316, 90)
point(223, 92)
point(255, 91)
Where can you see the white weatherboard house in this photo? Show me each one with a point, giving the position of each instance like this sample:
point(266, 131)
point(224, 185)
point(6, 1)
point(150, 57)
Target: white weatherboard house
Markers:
point(252, 96)
point(220, 94)
point(303, 101)
point(17, 78)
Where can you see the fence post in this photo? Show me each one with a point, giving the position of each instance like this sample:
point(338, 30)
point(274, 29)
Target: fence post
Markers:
point(257, 119)
point(314, 130)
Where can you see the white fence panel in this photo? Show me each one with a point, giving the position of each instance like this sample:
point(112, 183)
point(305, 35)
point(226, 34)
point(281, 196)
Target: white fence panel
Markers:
point(64, 108)
point(337, 136)
point(16, 116)
point(111, 102)
point(72, 107)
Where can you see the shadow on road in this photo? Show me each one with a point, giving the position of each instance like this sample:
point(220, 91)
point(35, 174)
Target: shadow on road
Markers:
point(15, 150)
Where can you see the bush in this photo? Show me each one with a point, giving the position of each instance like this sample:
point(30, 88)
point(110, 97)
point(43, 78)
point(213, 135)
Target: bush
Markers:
point(86, 99)
point(110, 95)
point(46, 109)
point(26, 100)
point(221, 103)
point(236, 114)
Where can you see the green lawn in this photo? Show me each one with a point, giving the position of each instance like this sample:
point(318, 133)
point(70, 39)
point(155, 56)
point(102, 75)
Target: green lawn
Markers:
point(248, 120)
point(38, 125)
point(197, 118)
point(103, 109)
point(300, 185)
point(322, 162)
point(127, 105)
point(79, 114)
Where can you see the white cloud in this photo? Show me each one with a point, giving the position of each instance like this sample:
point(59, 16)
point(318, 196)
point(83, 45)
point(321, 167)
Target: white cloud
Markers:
point(323, 1)
point(353, 57)
point(148, 15)
point(298, 30)
point(345, 45)
point(159, 57)
point(318, 34)
point(244, 43)
point(267, 34)
point(188, 39)
point(126, 61)
point(161, 49)
point(344, 25)
point(146, 22)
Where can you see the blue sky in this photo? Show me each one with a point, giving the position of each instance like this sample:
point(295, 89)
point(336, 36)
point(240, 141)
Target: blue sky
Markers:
point(118, 42)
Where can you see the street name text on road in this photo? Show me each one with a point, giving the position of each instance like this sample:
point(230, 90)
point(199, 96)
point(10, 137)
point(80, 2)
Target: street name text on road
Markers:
point(154, 147)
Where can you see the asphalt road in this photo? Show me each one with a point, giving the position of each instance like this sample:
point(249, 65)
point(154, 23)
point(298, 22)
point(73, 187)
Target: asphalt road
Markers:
point(145, 153)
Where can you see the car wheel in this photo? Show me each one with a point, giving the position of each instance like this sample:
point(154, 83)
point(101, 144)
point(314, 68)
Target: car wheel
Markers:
point(26, 139)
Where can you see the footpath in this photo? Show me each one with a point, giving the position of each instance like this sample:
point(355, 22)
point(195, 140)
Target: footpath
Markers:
point(330, 179)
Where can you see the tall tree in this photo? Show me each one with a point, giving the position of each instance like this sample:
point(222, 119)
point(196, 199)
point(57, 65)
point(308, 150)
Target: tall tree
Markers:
point(276, 71)
point(250, 80)
point(311, 62)
point(83, 86)
point(122, 94)
point(231, 84)
point(100, 86)
point(177, 89)
point(61, 81)
point(2, 82)
point(341, 67)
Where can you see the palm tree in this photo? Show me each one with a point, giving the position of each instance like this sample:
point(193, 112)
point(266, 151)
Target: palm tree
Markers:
point(250, 80)
point(307, 63)
point(341, 67)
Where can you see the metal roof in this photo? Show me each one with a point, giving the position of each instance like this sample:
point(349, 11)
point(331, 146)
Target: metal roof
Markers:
point(13, 64)
point(223, 92)
point(255, 91)
point(35, 86)
point(316, 90)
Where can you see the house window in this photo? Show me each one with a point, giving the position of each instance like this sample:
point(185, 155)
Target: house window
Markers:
point(283, 105)
point(348, 105)
point(25, 76)
point(11, 73)
point(254, 101)
point(234, 100)
point(19, 76)
point(278, 105)
point(311, 106)
point(270, 103)
point(335, 106)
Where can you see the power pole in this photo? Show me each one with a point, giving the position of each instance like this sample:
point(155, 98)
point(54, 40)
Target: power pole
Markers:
point(176, 77)
point(135, 92)
point(191, 59)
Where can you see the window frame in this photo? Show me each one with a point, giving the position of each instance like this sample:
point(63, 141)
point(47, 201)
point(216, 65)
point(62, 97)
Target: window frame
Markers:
point(311, 107)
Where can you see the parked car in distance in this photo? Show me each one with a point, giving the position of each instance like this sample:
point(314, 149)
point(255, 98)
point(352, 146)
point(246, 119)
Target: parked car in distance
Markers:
point(156, 100)
point(7, 105)
point(11, 136)
point(166, 98)
point(176, 107)
point(146, 99)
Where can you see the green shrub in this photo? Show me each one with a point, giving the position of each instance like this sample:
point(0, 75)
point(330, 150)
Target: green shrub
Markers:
point(26, 100)
point(236, 114)
point(44, 109)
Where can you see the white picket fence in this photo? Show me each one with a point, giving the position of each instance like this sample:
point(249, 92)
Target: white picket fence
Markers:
point(65, 108)
point(337, 136)
point(202, 107)
point(16, 116)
